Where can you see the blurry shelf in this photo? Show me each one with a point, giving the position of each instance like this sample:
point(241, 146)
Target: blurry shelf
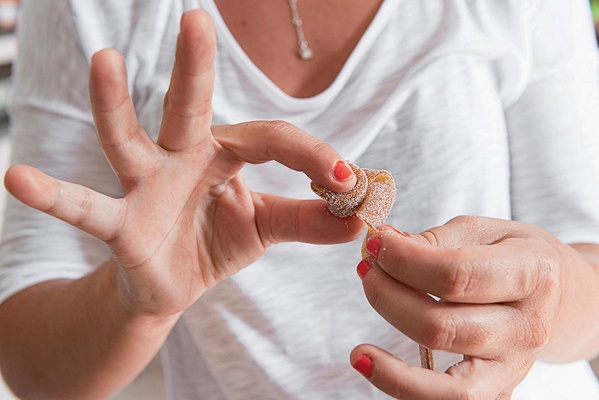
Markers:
point(8, 48)
point(8, 53)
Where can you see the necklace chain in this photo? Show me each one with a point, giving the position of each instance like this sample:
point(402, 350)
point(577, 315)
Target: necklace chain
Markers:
point(305, 52)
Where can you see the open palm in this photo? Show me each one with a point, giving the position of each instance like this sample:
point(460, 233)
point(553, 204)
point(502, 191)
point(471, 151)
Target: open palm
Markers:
point(187, 219)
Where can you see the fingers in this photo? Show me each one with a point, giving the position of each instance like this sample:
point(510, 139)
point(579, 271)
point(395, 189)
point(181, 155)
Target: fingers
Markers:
point(259, 142)
point(472, 380)
point(188, 102)
point(128, 148)
point(466, 231)
point(288, 220)
point(481, 277)
point(77, 205)
point(507, 270)
point(187, 109)
point(473, 329)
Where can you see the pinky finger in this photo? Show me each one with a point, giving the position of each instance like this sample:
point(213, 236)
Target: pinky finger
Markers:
point(90, 211)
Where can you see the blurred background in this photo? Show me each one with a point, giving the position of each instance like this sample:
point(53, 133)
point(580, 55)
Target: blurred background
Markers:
point(150, 381)
point(595, 8)
point(8, 49)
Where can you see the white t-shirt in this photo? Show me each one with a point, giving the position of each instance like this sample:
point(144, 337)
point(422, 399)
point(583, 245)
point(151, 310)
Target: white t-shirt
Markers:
point(476, 107)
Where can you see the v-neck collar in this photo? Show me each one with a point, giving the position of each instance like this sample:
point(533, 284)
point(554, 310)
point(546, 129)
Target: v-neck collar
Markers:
point(270, 89)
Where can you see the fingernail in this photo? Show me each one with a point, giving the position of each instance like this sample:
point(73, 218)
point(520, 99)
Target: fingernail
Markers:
point(363, 268)
point(364, 366)
point(342, 171)
point(392, 228)
point(373, 247)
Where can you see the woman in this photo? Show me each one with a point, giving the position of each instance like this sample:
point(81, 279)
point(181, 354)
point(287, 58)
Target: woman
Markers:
point(458, 100)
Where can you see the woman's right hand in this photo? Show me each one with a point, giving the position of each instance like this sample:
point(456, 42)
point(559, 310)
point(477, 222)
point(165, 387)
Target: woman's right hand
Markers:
point(187, 219)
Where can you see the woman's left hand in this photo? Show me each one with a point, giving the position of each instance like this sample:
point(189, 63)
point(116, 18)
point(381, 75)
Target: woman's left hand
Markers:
point(507, 290)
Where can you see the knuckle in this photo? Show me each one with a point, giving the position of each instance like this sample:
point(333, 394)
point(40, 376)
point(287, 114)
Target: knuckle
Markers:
point(441, 237)
point(539, 331)
point(120, 222)
point(109, 107)
point(52, 205)
point(472, 226)
point(458, 279)
point(175, 108)
point(548, 269)
point(443, 333)
point(202, 109)
point(319, 147)
point(265, 226)
point(85, 207)
point(277, 126)
point(432, 237)
point(127, 135)
point(462, 220)
point(130, 133)
point(466, 223)
point(272, 131)
point(374, 294)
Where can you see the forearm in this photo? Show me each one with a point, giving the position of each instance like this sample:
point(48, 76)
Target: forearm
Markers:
point(577, 336)
point(75, 339)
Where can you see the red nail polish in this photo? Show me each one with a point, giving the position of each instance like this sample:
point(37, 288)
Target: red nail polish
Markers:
point(364, 366)
point(342, 171)
point(374, 246)
point(363, 268)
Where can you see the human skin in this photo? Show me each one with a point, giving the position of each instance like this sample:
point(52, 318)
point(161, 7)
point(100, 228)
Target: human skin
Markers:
point(512, 293)
point(63, 351)
point(184, 201)
point(263, 30)
point(572, 331)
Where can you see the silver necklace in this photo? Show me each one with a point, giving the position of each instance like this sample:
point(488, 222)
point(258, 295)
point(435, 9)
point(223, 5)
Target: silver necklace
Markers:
point(305, 52)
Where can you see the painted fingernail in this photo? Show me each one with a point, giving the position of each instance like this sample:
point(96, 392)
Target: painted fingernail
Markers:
point(393, 229)
point(364, 366)
point(342, 171)
point(363, 268)
point(374, 246)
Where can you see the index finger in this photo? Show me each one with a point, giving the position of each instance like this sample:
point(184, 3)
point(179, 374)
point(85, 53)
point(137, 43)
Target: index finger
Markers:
point(497, 272)
point(262, 141)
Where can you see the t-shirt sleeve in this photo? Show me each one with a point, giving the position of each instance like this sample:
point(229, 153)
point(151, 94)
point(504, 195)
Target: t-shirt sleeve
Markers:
point(554, 125)
point(52, 129)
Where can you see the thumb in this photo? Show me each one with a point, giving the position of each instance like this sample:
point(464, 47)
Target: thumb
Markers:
point(400, 380)
point(473, 378)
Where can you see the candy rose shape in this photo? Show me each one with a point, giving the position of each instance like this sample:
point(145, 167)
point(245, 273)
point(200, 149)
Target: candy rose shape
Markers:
point(370, 199)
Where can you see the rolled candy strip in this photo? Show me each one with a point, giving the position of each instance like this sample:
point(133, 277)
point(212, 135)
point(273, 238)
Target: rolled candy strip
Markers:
point(345, 204)
point(379, 199)
point(370, 199)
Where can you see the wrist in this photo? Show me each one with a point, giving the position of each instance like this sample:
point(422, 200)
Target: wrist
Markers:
point(577, 329)
point(130, 305)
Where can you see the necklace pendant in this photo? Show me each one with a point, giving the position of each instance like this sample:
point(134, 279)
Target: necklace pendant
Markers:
point(306, 53)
